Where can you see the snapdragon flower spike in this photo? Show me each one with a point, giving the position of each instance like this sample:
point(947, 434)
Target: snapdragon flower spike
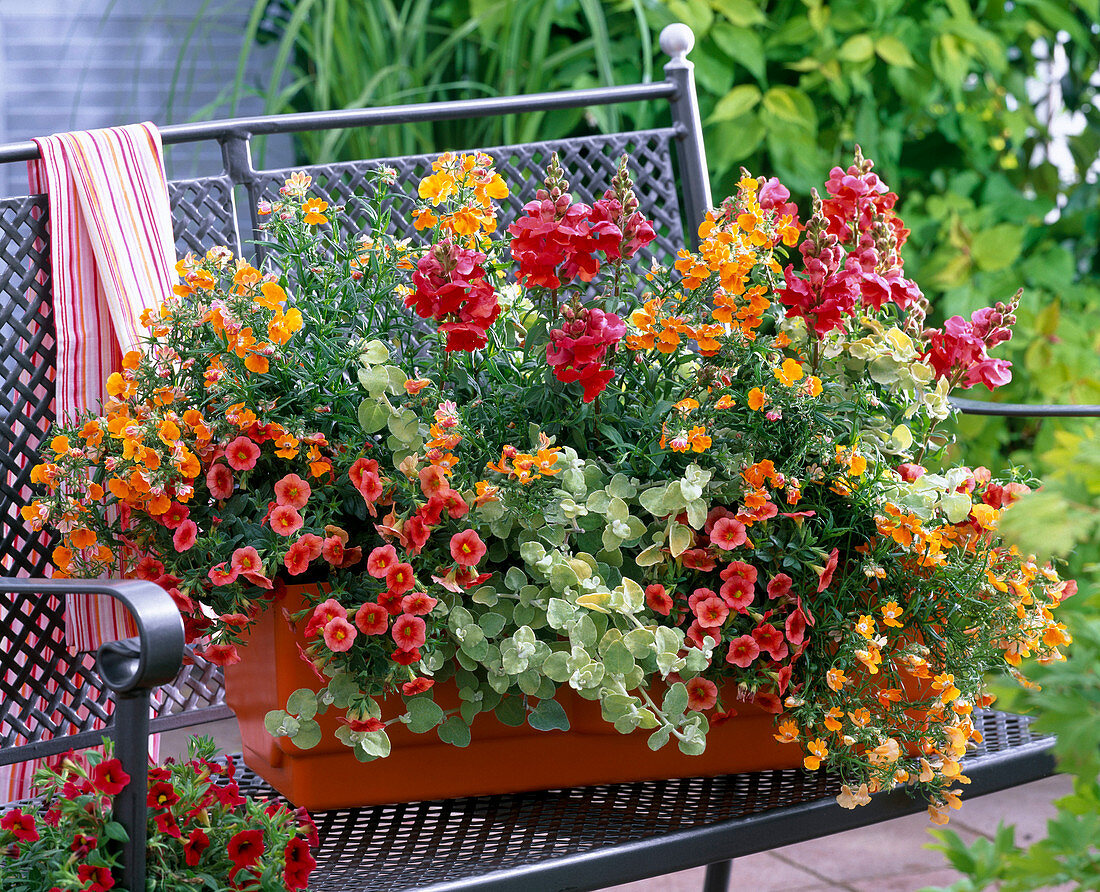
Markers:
point(958, 351)
point(556, 241)
point(619, 206)
point(827, 293)
point(577, 350)
point(451, 288)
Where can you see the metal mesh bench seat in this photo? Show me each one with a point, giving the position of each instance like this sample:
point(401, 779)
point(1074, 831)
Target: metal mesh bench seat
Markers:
point(592, 837)
point(567, 839)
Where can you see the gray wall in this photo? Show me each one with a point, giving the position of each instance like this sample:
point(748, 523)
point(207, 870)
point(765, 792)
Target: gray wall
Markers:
point(81, 64)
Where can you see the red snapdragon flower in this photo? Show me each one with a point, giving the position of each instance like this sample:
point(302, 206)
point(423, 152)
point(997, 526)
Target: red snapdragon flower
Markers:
point(958, 351)
point(451, 288)
point(577, 350)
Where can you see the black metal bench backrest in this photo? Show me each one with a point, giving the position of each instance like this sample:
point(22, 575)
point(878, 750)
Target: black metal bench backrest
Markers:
point(51, 699)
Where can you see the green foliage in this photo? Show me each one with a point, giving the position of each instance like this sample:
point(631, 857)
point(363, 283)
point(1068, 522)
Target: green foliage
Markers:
point(203, 836)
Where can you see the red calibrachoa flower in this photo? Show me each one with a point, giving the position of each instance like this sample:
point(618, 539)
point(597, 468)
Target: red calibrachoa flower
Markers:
point(728, 533)
point(186, 535)
point(219, 480)
point(20, 824)
point(246, 562)
point(770, 639)
point(416, 686)
point(381, 560)
point(779, 585)
point(197, 843)
point(175, 515)
point(245, 849)
point(743, 651)
point(323, 614)
point(657, 599)
point(285, 520)
point(242, 454)
point(418, 604)
point(108, 777)
point(372, 619)
point(162, 795)
point(293, 491)
point(409, 632)
point(702, 694)
point(98, 878)
point(339, 635)
point(400, 579)
point(299, 864)
point(467, 548)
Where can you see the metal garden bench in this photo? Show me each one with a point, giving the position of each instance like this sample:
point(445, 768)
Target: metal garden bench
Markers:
point(565, 839)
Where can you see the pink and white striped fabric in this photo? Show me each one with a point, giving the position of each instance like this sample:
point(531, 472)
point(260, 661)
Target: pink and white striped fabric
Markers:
point(112, 254)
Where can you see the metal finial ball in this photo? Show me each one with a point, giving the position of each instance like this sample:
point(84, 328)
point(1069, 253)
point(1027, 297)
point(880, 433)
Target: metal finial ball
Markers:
point(677, 40)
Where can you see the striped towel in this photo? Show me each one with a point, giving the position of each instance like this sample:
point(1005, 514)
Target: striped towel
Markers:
point(112, 254)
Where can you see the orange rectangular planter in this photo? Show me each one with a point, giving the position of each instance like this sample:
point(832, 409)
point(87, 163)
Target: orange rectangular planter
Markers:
point(500, 758)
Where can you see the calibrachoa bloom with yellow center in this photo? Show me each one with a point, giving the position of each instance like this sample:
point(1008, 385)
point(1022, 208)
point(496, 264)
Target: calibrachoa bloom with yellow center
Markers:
point(202, 831)
point(523, 458)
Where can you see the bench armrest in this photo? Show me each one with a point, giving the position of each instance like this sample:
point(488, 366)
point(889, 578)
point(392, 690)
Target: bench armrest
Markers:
point(131, 668)
point(154, 657)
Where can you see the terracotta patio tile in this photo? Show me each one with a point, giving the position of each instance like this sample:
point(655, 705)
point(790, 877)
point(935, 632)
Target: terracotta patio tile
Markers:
point(909, 882)
point(890, 849)
point(755, 873)
point(1027, 806)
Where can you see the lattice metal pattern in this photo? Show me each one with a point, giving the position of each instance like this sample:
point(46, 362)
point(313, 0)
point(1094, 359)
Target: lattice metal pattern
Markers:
point(590, 163)
point(48, 692)
point(203, 214)
point(28, 357)
point(45, 691)
point(405, 846)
